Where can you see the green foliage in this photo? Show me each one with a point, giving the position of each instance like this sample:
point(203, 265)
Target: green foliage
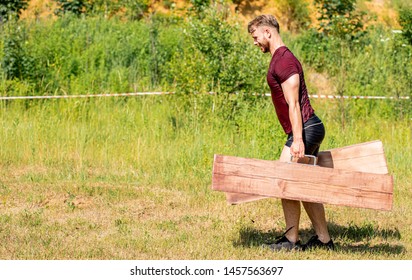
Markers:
point(17, 61)
point(94, 54)
point(363, 70)
point(106, 8)
point(199, 6)
point(11, 8)
point(103, 55)
point(132, 158)
point(217, 57)
point(129, 9)
point(405, 20)
point(332, 8)
point(135, 9)
point(339, 18)
point(296, 14)
point(212, 37)
point(76, 7)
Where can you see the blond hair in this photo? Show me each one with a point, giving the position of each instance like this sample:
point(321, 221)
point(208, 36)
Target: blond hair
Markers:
point(263, 20)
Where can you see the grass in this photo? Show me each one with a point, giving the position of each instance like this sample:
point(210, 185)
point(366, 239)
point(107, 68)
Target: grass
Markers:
point(129, 178)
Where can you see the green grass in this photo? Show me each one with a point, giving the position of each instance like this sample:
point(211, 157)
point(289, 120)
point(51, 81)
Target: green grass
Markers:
point(129, 178)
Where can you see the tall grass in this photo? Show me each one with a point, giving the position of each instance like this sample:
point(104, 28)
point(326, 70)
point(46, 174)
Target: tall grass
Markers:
point(75, 56)
point(130, 178)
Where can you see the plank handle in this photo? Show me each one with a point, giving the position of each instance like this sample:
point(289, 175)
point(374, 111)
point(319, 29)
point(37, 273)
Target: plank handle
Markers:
point(315, 159)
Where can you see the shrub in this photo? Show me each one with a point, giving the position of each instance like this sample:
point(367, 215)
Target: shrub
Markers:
point(76, 7)
point(296, 14)
point(199, 6)
point(217, 57)
point(405, 20)
point(339, 18)
point(11, 8)
point(17, 62)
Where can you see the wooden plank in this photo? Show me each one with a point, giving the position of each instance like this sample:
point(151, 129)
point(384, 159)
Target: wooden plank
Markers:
point(302, 182)
point(250, 168)
point(364, 157)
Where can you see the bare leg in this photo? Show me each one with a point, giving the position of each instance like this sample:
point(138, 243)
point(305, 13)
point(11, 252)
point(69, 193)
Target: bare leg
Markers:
point(316, 213)
point(291, 211)
point(291, 208)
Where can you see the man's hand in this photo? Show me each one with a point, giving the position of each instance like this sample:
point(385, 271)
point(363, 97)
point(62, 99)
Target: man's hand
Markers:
point(297, 149)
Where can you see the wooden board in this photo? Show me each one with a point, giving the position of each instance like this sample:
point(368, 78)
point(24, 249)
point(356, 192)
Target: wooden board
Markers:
point(364, 157)
point(302, 182)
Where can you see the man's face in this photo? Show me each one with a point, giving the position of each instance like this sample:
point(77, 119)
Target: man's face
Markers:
point(260, 39)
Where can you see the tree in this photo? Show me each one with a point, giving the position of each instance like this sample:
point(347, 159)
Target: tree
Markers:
point(10, 8)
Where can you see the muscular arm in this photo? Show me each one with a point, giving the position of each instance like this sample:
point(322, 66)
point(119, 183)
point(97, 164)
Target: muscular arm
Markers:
point(291, 91)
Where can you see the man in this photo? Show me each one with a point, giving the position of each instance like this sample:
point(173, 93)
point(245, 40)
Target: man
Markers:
point(304, 129)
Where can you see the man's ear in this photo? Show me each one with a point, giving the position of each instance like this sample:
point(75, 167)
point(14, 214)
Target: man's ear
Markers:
point(267, 32)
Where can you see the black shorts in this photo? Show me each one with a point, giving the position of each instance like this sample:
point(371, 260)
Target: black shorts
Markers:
point(313, 134)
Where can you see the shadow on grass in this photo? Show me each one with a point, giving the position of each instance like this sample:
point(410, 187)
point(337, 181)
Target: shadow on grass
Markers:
point(378, 249)
point(358, 233)
point(361, 235)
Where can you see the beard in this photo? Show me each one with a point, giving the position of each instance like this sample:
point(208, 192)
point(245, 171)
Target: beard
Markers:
point(264, 47)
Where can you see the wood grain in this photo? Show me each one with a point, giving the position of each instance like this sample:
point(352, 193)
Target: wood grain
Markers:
point(350, 182)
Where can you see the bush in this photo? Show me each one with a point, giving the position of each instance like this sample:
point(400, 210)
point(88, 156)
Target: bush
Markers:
point(76, 55)
point(11, 8)
point(91, 55)
point(76, 7)
point(405, 20)
point(199, 6)
point(339, 18)
point(218, 56)
point(17, 61)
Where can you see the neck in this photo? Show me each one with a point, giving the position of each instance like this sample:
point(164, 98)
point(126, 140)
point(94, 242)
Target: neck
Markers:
point(276, 44)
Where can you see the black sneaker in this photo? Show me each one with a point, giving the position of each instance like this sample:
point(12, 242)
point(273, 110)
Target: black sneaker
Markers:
point(284, 244)
point(315, 243)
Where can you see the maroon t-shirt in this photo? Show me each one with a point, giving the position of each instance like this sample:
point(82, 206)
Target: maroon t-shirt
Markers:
point(282, 66)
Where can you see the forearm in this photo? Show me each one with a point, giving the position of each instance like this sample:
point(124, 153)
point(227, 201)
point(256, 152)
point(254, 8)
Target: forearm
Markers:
point(297, 149)
point(291, 90)
point(295, 117)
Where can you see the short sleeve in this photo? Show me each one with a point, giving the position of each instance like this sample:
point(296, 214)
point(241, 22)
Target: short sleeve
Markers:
point(286, 67)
